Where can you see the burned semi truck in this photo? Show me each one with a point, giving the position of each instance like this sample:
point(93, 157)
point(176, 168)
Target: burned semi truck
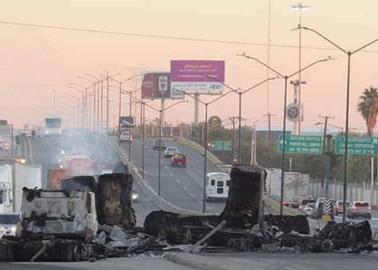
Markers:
point(113, 197)
point(56, 225)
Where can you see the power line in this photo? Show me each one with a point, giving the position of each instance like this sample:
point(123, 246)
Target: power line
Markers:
point(108, 32)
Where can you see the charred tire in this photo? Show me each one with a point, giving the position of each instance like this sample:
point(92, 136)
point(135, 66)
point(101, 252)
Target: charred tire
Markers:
point(72, 253)
point(328, 245)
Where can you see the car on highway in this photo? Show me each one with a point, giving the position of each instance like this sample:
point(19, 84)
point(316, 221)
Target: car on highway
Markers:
point(293, 203)
point(178, 160)
point(170, 151)
point(8, 224)
point(308, 209)
point(158, 146)
point(359, 209)
point(304, 202)
point(339, 207)
point(126, 136)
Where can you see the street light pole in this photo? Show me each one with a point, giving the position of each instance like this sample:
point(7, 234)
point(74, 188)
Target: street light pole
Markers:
point(285, 77)
point(107, 102)
point(159, 173)
point(130, 100)
point(119, 108)
point(205, 139)
point(94, 106)
point(143, 132)
point(205, 164)
point(349, 55)
point(240, 93)
point(239, 131)
point(283, 149)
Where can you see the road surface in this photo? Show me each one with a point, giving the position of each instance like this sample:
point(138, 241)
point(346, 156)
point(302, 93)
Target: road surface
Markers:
point(182, 187)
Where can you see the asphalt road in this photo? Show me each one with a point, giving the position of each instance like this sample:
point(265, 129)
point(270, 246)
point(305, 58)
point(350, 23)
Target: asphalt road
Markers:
point(182, 187)
point(131, 263)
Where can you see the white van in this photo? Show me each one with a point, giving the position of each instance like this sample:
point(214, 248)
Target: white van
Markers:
point(217, 185)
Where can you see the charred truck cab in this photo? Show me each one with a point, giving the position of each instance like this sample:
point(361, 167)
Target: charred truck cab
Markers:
point(58, 225)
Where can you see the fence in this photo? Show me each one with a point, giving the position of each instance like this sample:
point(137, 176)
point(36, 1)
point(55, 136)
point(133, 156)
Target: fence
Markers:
point(355, 192)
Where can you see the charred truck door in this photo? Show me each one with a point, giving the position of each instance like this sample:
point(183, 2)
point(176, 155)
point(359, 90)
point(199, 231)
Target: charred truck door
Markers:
point(114, 204)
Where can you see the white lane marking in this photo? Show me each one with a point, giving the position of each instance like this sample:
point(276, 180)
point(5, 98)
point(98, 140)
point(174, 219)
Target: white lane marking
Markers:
point(177, 180)
point(165, 167)
point(191, 194)
point(185, 188)
point(171, 173)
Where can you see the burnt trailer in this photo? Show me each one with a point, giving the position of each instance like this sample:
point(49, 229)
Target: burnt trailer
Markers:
point(240, 216)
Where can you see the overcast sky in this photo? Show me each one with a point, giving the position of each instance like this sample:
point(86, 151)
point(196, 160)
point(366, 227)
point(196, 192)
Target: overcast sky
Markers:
point(36, 61)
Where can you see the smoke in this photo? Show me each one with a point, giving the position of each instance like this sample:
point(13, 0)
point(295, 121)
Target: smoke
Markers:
point(51, 151)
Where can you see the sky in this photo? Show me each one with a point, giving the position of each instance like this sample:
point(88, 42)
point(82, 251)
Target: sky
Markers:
point(36, 62)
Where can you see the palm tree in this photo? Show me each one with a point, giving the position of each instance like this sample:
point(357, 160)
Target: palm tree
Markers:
point(368, 107)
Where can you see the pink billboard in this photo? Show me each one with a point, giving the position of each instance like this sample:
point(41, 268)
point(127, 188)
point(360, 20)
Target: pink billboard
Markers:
point(197, 70)
point(197, 76)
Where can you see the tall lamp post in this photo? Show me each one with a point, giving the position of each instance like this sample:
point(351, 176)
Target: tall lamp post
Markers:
point(99, 83)
point(130, 94)
point(84, 94)
point(121, 91)
point(160, 137)
point(94, 99)
point(349, 55)
point(77, 119)
point(285, 77)
point(240, 94)
point(206, 104)
point(300, 8)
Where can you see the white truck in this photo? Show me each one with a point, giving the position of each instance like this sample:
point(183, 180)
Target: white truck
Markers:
point(24, 176)
point(296, 184)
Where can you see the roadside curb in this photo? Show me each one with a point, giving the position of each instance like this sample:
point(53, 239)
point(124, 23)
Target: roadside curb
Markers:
point(194, 261)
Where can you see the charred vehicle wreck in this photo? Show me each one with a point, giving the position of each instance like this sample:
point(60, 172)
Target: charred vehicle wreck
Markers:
point(92, 219)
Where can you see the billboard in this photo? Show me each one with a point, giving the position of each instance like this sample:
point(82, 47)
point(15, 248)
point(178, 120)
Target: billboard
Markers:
point(197, 76)
point(157, 85)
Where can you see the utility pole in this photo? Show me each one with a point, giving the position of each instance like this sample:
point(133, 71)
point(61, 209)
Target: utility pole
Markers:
point(107, 101)
point(253, 144)
point(94, 106)
point(14, 165)
point(101, 105)
point(233, 137)
point(326, 153)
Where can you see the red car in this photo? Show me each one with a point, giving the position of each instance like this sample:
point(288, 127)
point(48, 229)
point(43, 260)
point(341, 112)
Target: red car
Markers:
point(178, 159)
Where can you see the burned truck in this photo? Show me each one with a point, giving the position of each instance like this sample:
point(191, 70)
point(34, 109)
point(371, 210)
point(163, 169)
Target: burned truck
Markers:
point(113, 197)
point(58, 225)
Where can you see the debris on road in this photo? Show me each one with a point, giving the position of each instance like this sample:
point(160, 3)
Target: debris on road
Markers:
point(92, 220)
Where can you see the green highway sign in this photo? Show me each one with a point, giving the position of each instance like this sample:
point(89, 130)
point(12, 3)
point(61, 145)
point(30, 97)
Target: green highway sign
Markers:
point(221, 145)
point(302, 144)
point(358, 146)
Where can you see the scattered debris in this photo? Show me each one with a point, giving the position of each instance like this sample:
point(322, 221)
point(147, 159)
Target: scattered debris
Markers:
point(92, 220)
